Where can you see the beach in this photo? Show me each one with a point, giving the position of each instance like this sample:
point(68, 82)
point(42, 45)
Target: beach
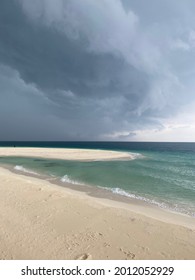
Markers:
point(66, 154)
point(41, 220)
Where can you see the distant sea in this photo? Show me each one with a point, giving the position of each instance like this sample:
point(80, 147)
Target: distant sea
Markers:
point(161, 174)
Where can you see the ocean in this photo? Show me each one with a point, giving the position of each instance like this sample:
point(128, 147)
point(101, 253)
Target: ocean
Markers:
point(161, 174)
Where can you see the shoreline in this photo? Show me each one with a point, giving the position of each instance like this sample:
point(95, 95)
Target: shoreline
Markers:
point(43, 218)
point(67, 154)
point(35, 212)
point(115, 200)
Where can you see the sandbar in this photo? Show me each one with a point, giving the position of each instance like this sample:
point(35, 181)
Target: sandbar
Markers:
point(66, 154)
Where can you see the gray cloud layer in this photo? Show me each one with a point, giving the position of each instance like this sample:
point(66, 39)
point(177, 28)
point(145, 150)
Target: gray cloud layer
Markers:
point(87, 70)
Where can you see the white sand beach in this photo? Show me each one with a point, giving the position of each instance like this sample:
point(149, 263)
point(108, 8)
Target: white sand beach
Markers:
point(66, 154)
point(40, 220)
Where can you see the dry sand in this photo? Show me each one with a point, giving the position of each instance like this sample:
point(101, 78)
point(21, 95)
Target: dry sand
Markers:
point(39, 220)
point(67, 154)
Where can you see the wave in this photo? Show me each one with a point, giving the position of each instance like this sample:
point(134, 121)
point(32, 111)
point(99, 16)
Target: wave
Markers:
point(138, 197)
point(67, 179)
point(23, 169)
point(136, 155)
point(169, 206)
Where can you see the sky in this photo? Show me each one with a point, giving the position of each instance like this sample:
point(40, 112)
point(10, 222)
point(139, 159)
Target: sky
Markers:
point(89, 70)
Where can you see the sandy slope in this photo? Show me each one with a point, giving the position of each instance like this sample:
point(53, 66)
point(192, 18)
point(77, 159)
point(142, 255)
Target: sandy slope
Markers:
point(39, 220)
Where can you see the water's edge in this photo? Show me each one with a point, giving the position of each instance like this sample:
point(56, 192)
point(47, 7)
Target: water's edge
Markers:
point(96, 192)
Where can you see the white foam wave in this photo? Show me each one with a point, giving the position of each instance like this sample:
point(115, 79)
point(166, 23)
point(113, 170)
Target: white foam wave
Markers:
point(172, 207)
point(67, 179)
point(138, 197)
point(136, 155)
point(124, 193)
point(22, 169)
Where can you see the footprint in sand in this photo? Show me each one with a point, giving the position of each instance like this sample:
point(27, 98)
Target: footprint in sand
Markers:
point(84, 257)
point(129, 255)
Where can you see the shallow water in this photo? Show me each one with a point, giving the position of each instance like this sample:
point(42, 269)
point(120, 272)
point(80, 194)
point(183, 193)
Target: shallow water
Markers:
point(161, 174)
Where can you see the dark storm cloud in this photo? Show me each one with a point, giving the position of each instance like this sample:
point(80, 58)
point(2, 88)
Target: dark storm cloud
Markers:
point(88, 69)
point(53, 61)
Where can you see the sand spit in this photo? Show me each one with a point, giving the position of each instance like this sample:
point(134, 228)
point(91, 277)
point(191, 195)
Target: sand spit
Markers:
point(66, 154)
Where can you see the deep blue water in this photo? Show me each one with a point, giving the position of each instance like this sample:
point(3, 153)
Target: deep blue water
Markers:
point(119, 146)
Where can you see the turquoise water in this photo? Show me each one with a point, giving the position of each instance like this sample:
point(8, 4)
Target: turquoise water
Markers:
point(162, 177)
